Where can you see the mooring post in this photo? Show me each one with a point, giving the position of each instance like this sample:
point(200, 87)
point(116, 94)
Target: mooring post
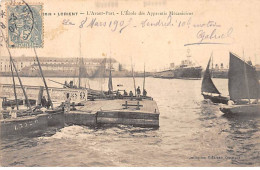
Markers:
point(125, 104)
point(73, 106)
point(138, 106)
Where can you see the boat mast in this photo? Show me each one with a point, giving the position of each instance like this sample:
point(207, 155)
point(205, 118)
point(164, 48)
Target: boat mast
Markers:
point(133, 75)
point(43, 78)
point(212, 65)
point(20, 81)
point(258, 88)
point(110, 85)
point(246, 80)
point(15, 95)
point(144, 79)
point(12, 62)
point(80, 60)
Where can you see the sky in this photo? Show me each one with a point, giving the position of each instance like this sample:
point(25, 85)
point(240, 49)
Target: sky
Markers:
point(234, 26)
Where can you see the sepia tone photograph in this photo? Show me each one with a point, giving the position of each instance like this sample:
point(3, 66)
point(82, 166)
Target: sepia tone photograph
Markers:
point(120, 83)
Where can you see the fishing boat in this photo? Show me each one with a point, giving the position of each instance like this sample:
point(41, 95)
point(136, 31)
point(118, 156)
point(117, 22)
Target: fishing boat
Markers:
point(28, 119)
point(209, 90)
point(243, 87)
point(77, 94)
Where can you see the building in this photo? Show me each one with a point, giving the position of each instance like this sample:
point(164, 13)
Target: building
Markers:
point(54, 66)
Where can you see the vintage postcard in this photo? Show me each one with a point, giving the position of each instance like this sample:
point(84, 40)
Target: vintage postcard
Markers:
point(119, 83)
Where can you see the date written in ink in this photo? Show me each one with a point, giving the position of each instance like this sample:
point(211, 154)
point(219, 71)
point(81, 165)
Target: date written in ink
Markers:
point(113, 25)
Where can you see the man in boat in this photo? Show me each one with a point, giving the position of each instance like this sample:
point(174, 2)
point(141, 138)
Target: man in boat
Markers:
point(67, 103)
point(13, 113)
point(144, 93)
point(43, 101)
point(48, 104)
point(230, 103)
point(1, 116)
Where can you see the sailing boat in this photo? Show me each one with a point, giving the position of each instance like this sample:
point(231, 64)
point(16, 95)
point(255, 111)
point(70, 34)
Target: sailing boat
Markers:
point(110, 84)
point(208, 88)
point(243, 87)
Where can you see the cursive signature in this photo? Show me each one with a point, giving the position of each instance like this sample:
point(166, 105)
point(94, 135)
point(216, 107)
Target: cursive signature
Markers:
point(213, 35)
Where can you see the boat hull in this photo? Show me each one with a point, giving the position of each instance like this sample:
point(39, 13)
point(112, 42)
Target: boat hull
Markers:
point(23, 125)
point(216, 99)
point(27, 124)
point(188, 73)
point(55, 118)
point(180, 73)
point(242, 110)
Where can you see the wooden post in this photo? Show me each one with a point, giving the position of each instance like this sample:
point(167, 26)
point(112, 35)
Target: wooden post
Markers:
point(138, 106)
point(125, 104)
point(73, 106)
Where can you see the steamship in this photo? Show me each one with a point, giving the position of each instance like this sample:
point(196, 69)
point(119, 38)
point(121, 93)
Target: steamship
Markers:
point(186, 70)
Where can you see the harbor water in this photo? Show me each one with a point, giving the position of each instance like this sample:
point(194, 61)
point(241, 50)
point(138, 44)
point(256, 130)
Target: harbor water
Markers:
point(192, 132)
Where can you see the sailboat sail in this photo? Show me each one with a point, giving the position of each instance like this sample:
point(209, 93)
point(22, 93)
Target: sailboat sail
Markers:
point(207, 83)
point(242, 80)
point(100, 71)
point(82, 70)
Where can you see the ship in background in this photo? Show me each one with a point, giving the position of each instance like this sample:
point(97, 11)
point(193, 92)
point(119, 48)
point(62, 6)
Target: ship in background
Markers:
point(219, 71)
point(187, 70)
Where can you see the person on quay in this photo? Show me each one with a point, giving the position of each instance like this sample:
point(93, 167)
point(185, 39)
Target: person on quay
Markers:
point(66, 85)
point(138, 92)
point(131, 95)
point(117, 93)
point(71, 84)
point(144, 93)
point(125, 93)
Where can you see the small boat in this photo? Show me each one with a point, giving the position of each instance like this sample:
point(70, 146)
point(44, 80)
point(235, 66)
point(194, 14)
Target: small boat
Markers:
point(28, 122)
point(209, 90)
point(243, 87)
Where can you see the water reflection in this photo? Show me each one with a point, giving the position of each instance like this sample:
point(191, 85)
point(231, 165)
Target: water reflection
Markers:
point(243, 139)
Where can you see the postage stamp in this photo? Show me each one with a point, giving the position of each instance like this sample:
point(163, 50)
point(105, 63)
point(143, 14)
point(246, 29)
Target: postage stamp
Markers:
point(25, 26)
